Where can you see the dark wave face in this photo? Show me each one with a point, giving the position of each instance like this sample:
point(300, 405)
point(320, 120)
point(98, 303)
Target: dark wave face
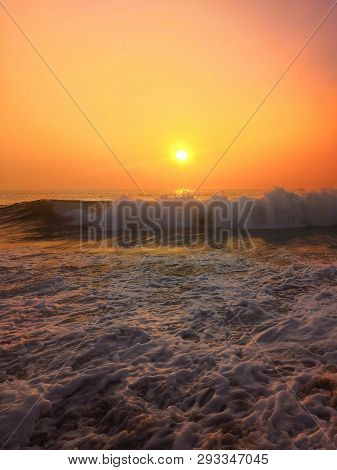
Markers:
point(37, 219)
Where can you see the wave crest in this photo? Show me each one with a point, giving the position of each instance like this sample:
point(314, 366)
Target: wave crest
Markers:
point(276, 209)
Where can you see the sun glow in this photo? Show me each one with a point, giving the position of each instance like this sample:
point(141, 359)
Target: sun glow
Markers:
point(181, 155)
point(167, 95)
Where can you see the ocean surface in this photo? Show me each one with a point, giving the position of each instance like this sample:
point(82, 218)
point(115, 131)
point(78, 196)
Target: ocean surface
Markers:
point(168, 346)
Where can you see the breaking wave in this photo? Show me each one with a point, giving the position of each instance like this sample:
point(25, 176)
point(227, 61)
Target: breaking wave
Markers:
point(275, 210)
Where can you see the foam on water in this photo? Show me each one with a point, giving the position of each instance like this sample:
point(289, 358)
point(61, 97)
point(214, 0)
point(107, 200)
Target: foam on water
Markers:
point(168, 349)
point(158, 348)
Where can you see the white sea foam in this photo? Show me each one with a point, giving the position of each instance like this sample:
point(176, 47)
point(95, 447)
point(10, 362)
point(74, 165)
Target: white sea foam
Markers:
point(161, 350)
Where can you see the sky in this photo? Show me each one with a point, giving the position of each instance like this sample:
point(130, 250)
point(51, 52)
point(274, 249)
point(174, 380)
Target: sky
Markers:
point(155, 76)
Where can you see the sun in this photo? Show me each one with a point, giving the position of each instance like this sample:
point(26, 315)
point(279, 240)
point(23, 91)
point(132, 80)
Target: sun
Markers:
point(181, 155)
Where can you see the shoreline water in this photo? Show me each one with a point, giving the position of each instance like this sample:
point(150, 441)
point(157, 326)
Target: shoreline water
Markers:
point(159, 348)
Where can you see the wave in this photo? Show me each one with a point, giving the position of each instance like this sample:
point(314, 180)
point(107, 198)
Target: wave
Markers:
point(275, 210)
point(280, 209)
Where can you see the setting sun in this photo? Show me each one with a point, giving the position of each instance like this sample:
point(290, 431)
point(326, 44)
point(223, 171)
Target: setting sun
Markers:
point(181, 155)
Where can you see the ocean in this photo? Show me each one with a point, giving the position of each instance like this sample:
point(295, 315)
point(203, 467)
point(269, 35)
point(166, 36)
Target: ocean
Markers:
point(180, 345)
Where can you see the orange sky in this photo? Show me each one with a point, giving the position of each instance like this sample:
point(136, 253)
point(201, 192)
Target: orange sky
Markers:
point(154, 75)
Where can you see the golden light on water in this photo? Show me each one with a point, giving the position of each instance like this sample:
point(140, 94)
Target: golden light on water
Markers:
point(183, 192)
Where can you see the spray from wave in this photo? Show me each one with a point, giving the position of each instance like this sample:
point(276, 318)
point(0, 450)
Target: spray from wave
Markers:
point(280, 209)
